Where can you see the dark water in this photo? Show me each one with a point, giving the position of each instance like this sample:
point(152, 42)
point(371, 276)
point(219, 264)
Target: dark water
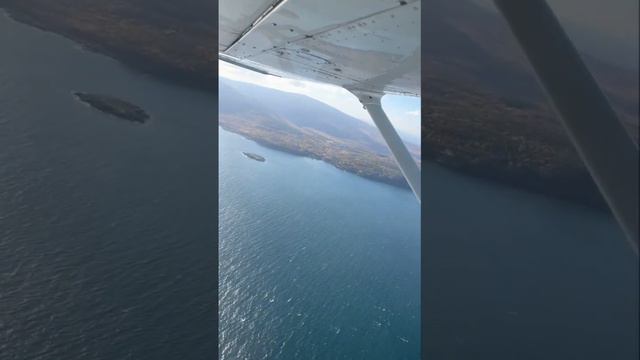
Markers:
point(107, 228)
point(511, 275)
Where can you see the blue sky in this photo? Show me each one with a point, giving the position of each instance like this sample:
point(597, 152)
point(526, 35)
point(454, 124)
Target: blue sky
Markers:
point(403, 111)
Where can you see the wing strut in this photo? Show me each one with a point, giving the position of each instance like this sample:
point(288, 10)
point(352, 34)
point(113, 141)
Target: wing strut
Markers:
point(408, 166)
point(609, 153)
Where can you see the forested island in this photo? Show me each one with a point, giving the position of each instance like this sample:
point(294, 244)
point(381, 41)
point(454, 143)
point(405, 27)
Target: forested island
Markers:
point(114, 106)
point(253, 156)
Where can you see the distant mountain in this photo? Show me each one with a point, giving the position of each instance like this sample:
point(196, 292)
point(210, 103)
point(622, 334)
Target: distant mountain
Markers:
point(301, 111)
point(300, 125)
point(607, 30)
point(471, 46)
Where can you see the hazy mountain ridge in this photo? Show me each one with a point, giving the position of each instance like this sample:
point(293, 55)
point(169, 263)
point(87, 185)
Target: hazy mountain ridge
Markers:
point(473, 47)
point(607, 30)
point(304, 112)
point(311, 129)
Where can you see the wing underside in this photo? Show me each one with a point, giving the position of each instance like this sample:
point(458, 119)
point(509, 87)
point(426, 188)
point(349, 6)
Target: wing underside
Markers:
point(364, 45)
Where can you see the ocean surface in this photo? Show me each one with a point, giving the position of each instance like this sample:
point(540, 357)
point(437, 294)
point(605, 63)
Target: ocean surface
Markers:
point(108, 230)
point(315, 263)
point(107, 227)
point(513, 275)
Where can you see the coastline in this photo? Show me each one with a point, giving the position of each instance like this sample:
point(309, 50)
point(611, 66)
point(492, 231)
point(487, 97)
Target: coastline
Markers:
point(398, 182)
point(136, 61)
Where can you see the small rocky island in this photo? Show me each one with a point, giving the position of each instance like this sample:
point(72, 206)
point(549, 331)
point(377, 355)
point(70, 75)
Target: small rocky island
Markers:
point(253, 156)
point(114, 106)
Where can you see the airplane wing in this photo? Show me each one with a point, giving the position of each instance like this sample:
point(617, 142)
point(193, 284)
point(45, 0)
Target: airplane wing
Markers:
point(372, 48)
point(362, 45)
point(369, 47)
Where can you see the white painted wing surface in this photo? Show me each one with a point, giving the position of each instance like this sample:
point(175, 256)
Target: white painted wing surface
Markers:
point(366, 45)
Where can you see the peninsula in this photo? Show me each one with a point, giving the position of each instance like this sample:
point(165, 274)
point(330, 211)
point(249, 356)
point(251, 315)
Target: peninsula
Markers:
point(114, 106)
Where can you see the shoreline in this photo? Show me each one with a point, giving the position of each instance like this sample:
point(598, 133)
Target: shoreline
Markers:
point(134, 61)
point(283, 149)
